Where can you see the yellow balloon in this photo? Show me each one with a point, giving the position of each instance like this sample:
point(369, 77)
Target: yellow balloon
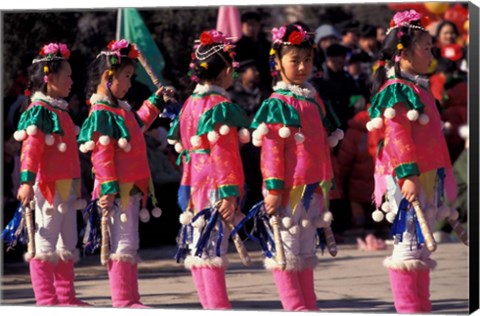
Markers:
point(436, 7)
point(466, 25)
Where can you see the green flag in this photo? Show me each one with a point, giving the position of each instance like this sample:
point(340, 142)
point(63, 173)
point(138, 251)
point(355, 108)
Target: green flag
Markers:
point(132, 28)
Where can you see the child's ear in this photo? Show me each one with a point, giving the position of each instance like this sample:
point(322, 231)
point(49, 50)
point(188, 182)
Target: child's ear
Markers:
point(229, 70)
point(277, 64)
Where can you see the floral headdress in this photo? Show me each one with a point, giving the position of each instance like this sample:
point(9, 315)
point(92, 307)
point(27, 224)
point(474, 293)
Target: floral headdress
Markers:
point(53, 51)
point(217, 42)
point(115, 51)
point(405, 19)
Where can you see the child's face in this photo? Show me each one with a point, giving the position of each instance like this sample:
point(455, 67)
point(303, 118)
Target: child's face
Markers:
point(60, 83)
point(296, 65)
point(122, 81)
point(421, 54)
point(251, 75)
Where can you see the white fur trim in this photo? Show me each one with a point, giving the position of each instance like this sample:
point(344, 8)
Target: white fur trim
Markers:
point(224, 129)
point(409, 265)
point(124, 258)
point(299, 137)
point(20, 135)
point(62, 147)
point(186, 218)
point(178, 147)
point(284, 132)
point(104, 140)
point(49, 139)
point(156, 212)
point(292, 263)
point(43, 256)
point(32, 130)
point(203, 89)
point(307, 91)
point(378, 216)
point(212, 136)
point(391, 217)
point(65, 255)
point(389, 113)
point(262, 129)
point(413, 115)
point(244, 135)
point(60, 103)
point(197, 262)
point(423, 119)
point(144, 215)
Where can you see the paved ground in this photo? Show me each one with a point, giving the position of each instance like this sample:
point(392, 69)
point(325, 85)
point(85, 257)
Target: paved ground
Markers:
point(352, 282)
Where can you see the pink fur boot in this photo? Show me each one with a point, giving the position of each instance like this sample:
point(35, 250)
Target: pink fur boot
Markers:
point(423, 286)
point(215, 288)
point(307, 285)
point(200, 286)
point(405, 291)
point(289, 289)
point(123, 284)
point(41, 273)
point(64, 284)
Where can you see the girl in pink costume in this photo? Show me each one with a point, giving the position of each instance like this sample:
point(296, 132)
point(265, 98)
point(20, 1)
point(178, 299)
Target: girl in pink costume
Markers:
point(412, 161)
point(295, 163)
point(50, 175)
point(114, 134)
point(205, 135)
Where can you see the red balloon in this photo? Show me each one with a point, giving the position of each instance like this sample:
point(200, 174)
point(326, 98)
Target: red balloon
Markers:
point(457, 14)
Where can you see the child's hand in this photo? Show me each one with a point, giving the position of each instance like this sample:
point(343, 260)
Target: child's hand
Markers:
point(25, 194)
point(167, 93)
point(410, 188)
point(106, 201)
point(227, 209)
point(272, 203)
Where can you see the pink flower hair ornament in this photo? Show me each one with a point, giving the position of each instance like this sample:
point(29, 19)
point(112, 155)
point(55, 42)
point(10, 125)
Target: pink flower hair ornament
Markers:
point(53, 51)
point(115, 48)
point(296, 37)
point(405, 19)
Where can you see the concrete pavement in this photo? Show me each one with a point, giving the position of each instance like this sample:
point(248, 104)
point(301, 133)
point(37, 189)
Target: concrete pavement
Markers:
point(354, 281)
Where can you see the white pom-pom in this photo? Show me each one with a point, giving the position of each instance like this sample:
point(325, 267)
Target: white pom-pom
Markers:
point(80, 204)
point(178, 147)
point(332, 141)
point(369, 126)
point(212, 136)
point(32, 130)
point(123, 217)
point(62, 147)
point(443, 212)
point(378, 216)
point(122, 142)
point(294, 230)
point(199, 222)
point(464, 131)
point(128, 148)
point(447, 126)
point(186, 218)
point(244, 135)
point(171, 141)
point(306, 223)
point(284, 132)
point(83, 149)
point(104, 140)
point(77, 129)
point(20, 135)
point(49, 139)
point(62, 209)
point(257, 134)
point(377, 123)
point(156, 212)
point(327, 217)
point(389, 113)
point(196, 141)
point(423, 119)
point(299, 137)
point(413, 115)
point(454, 215)
point(224, 130)
point(89, 145)
point(339, 134)
point(287, 222)
point(144, 215)
point(257, 142)
point(391, 217)
point(385, 207)
point(262, 129)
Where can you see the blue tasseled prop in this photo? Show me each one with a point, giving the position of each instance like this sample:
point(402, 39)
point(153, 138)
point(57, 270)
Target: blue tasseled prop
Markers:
point(16, 230)
point(400, 222)
point(93, 220)
point(171, 110)
point(211, 216)
point(321, 239)
point(183, 196)
point(308, 194)
point(184, 237)
point(440, 186)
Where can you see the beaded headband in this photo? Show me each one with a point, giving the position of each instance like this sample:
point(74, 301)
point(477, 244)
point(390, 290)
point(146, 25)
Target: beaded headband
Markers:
point(114, 49)
point(53, 51)
point(217, 40)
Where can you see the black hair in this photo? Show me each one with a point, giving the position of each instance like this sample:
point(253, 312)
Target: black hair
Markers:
point(405, 36)
point(442, 24)
point(249, 16)
point(36, 74)
point(281, 49)
point(209, 69)
point(105, 62)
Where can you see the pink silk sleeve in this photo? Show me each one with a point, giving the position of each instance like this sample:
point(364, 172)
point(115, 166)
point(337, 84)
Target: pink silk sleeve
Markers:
point(273, 159)
point(227, 164)
point(148, 113)
point(399, 144)
point(32, 151)
point(103, 161)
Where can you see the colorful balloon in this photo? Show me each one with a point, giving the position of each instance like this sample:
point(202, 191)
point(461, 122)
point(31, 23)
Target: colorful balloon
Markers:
point(436, 8)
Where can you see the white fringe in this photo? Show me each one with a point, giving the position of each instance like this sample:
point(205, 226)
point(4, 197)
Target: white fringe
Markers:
point(409, 265)
point(197, 262)
point(43, 256)
point(293, 263)
point(125, 258)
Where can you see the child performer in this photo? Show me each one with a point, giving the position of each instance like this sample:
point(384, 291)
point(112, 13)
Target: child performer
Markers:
point(205, 135)
point(114, 134)
point(295, 163)
point(50, 176)
point(413, 162)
